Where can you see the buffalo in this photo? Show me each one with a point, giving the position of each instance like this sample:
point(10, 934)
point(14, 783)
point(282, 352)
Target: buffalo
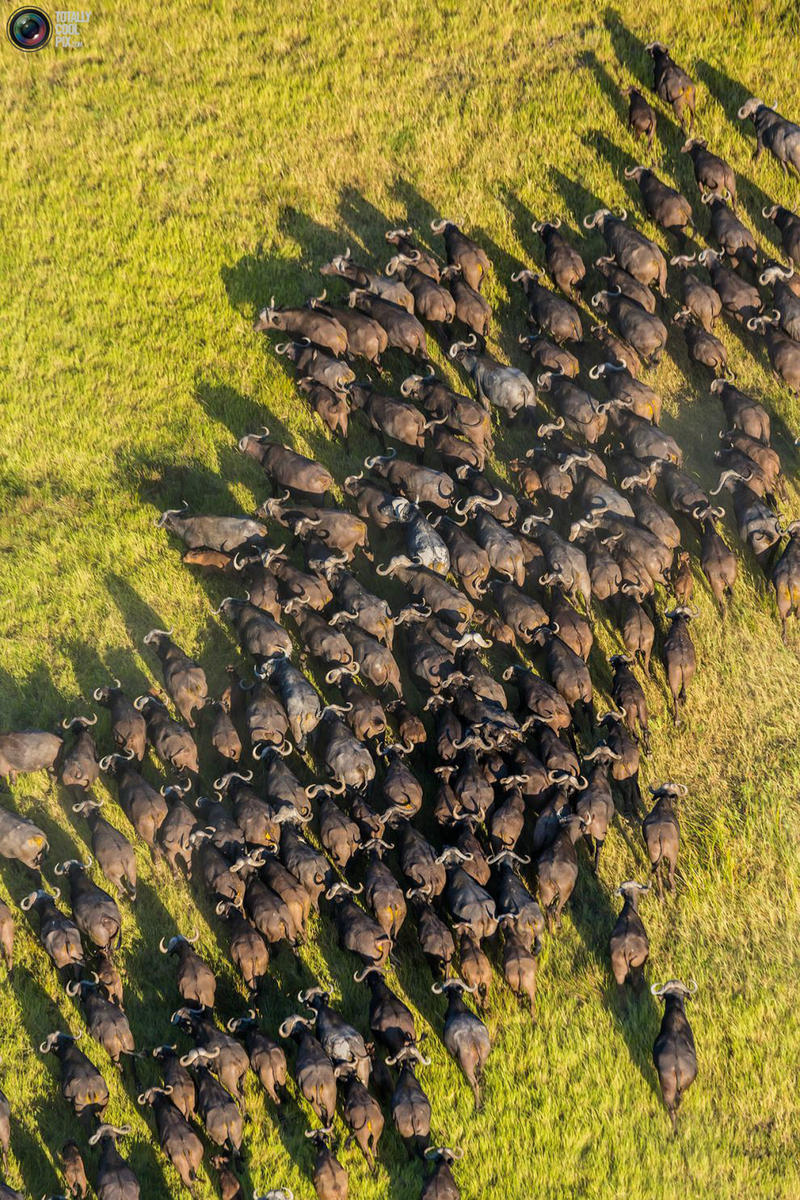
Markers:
point(671, 84)
point(773, 133)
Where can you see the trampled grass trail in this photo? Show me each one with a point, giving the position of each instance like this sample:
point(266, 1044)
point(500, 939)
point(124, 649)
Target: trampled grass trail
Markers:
point(159, 185)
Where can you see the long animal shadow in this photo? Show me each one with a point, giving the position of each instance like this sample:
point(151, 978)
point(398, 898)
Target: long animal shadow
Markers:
point(241, 414)
point(37, 1015)
point(610, 86)
point(40, 1013)
point(629, 49)
point(730, 93)
point(138, 615)
point(593, 916)
point(369, 224)
point(252, 281)
point(149, 978)
point(217, 649)
point(91, 672)
point(36, 693)
point(669, 137)
point(579, 201)
point(675, 171)
point(37, 797)
point(366, 225)
point(419, 210)
point(618, 158)
point(27, 1150)
point(160, 483)
point(522, 219)
point(508, 315)
point(161, 486)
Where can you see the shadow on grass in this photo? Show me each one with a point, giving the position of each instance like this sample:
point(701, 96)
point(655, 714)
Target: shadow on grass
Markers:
point(241, 415)
point(629, 49)
point(255, 278)
point(637, 1016)
point(610, 86)
point(579, 202)
point(161, 483)
point(366, 226)
point(138, 615)
point(729, 93)
point(38, 1016)
point(522, 219)
point(420, 212)
point(618, 159)
point(92, 672)
point(34, 702)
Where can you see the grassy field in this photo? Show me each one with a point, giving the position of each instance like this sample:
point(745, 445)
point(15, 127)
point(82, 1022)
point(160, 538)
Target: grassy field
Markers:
point(159, 185)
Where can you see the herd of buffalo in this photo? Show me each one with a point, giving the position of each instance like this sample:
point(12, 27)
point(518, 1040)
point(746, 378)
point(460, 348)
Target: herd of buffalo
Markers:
point(462, 775)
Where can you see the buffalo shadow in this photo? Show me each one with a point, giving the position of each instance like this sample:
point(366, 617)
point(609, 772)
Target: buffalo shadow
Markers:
point(636, 1015)
point(254, 278)
point(629, 49)
point(138, 615)
point(610, 86)
point(679, 167)
point(522, 219)
point(34, 702)
point(420, 213)
point(41, 1014)
point(160, 483)
point(92, 672)
point(241, 415)
point(729, 93)
point(366, 225)
point(579, 201)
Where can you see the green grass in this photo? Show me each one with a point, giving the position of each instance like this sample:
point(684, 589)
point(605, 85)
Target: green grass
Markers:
point(159, 185)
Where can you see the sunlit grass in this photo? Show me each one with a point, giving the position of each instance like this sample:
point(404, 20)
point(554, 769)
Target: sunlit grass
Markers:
point(159, 186)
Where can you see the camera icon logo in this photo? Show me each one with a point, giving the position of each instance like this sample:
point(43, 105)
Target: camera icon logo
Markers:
point(29, 29)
